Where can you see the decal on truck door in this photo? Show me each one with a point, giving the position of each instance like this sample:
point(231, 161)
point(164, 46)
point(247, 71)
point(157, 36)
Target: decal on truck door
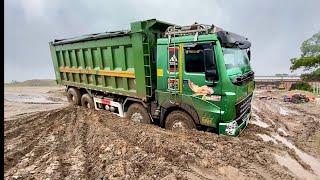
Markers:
point(203, 90)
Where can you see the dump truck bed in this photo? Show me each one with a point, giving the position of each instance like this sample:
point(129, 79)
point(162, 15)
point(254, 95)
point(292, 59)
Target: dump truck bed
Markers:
point(118, 62)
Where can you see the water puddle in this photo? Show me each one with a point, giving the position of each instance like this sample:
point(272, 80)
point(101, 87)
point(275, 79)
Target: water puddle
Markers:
point(267, 138)
point(257, 121)
point(283, 111)
point(260, 123)
point(294, 167)
point(282, 131)
point(308, 159)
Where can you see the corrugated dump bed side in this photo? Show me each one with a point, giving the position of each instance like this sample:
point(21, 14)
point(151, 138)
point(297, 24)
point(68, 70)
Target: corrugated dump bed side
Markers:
point(115, 62)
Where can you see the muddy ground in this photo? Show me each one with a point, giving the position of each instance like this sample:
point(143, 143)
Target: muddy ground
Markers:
point(46, 138)
point(27, 99)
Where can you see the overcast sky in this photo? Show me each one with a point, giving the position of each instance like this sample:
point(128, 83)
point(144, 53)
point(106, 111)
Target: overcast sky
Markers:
point(275, 28)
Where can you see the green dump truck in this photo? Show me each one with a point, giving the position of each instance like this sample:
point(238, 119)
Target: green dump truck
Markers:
point(181, 77)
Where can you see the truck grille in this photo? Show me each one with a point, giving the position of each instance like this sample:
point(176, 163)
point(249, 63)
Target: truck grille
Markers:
point(243, 106)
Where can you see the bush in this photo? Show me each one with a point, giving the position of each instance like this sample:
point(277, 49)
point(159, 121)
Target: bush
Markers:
point(301, 86)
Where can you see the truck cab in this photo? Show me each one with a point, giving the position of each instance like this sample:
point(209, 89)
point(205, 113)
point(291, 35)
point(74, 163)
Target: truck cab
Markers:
point(205, 71)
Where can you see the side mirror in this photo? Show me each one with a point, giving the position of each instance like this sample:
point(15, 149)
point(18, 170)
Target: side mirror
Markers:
point(210, 65)
point(211, 75)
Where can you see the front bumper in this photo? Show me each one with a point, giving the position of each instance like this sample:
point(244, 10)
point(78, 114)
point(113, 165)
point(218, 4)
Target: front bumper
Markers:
point(234, 128)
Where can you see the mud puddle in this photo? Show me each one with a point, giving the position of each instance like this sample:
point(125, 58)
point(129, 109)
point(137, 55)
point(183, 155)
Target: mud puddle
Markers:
point(287, 161)
point(308, 159)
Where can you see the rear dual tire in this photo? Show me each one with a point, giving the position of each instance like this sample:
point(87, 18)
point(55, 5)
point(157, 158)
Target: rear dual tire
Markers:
point(74, 96)
point(138, 113)
point(87, 101)
point(176, 120)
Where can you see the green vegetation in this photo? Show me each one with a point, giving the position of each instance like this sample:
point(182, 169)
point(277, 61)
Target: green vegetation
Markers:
point(301, 86)
point(309, 60)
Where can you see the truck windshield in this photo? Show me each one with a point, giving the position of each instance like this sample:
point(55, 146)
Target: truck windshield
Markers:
point(236, 60)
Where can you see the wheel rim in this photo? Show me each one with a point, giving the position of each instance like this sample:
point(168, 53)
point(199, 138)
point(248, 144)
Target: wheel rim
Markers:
point(88, 105)
point(137, 117)
point(179, 125)
point(73, 98)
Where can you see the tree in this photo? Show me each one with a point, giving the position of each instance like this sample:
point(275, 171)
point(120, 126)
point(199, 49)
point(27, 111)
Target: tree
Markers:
point(309, 60)
point(301, 86)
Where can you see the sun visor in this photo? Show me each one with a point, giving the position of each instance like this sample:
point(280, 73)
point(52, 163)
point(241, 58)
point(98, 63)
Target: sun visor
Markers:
point(229, 39)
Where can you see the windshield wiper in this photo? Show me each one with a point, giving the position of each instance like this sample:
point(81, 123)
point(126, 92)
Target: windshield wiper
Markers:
point(241, 79)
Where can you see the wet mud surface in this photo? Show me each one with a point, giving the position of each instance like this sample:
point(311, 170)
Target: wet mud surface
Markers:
point(281, 142)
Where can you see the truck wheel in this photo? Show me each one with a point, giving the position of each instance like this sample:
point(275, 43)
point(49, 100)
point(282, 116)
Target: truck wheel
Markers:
point(137, 113)
point(74, 96)
point(87, 101)
point(179, 120)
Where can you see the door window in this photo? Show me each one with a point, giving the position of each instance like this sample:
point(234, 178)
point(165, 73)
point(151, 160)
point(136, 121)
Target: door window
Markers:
point(194, 59)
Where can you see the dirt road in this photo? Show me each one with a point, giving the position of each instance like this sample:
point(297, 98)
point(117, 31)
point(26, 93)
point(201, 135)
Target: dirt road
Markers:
point(281, 142)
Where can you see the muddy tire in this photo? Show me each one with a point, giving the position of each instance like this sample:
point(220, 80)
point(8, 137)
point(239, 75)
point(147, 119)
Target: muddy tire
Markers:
point(87, 101)
point(179, 120)
point(74, 96)
point(137, 113)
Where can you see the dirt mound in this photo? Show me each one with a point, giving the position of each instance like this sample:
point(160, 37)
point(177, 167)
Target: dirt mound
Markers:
point(281, 142)
point(80, 143)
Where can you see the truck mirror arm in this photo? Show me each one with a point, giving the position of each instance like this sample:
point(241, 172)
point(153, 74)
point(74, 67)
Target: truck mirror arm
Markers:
point(212, 83)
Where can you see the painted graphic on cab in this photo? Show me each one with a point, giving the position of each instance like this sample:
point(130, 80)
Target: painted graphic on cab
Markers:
point(198, 91)
point(204, 91)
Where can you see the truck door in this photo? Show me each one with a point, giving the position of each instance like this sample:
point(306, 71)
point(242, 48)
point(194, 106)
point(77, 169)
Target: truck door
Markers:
point(200, 80)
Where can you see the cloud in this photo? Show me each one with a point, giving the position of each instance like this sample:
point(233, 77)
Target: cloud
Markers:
point(33, 8)
point(275, 28)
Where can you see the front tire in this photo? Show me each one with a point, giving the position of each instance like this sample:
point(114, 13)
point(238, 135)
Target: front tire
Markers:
point(138, 113)
point(74, 96)
point(87, 101)
point(179, 120)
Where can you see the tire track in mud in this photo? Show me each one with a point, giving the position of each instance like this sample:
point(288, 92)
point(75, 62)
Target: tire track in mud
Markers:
point(194, 151)
point(300, 125)
point(26, 138)
point(123, 130)
point(37, 147)
point(70, 134)
point(82, 155)
point(61, 147)
point(143, 164)
point(86, 144)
